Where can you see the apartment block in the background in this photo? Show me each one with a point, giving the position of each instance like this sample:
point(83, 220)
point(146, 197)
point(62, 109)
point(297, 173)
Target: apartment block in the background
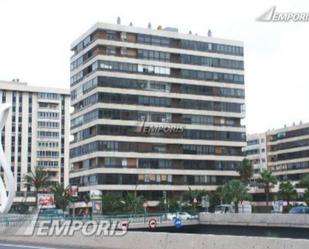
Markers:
point(36, 132)
point(288, 152)
point(155, 110)
point(283, 151)
point(256, 151)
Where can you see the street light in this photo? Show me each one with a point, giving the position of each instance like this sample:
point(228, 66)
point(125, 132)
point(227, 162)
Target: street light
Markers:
point(194, 204)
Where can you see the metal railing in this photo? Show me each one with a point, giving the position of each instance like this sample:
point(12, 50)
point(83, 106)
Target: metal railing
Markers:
point(19, 220)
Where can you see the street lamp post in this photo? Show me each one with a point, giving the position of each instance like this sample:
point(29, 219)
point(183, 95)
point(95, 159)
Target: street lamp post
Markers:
point(194, 204)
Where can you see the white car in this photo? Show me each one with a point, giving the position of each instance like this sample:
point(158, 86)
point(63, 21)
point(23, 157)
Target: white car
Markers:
point(229, 208)
point(181, 215)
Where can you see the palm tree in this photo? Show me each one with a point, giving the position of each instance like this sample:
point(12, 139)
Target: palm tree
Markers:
point(38, 179)
point(133, 202)
point(62, 195)
point(218, 196)
point(245, 171)
point(235, 191)
point(287, 192)
point(111, 203)
point(266, 181)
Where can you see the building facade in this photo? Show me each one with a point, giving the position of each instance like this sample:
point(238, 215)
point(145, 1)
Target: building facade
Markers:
point(288, 156)
point(283, 151)
point(155, 110)
point(256, 151)
point(36, 132)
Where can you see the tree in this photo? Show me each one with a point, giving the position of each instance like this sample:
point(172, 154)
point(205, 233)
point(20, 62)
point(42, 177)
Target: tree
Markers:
point(133, 202)
point(39, 179)
point(190, 195)
point(235, 191)
point(245, 171)
point(218, 196)
point(287, 192)
point(111, 203)
point(306, 196)
point(266, 181)
point(62, 195)
point(305, 181)
point(172, 205)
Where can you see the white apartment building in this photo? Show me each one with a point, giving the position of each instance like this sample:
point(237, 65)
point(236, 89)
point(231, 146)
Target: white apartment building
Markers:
point(125, 77)
point(283, 151)
point(256, 151)
point(36, 132)
point(288, 152)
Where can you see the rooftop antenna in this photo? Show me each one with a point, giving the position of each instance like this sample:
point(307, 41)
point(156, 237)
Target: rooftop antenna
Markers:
point(149, 25)
point(118, 20)
point(209, 33)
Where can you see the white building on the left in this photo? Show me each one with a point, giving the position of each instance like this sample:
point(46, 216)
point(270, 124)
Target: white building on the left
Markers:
point(36, 133)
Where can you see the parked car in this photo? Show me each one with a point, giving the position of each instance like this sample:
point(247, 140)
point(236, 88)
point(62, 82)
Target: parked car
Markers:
point(224, 208)
point(181, 215)
point(229, 208)
point(51, 213)
point(299, 210)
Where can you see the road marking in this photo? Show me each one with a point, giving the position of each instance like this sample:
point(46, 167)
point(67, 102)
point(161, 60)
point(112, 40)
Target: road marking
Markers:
point(31, 247)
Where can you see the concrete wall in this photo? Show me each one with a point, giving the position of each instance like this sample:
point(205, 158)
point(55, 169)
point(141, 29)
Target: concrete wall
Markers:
point(143, 240)
point(267, 220)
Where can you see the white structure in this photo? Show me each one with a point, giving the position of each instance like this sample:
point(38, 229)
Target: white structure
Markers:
point(36, 132)
point(7, 186)
point(256, 151)
point(124, 75)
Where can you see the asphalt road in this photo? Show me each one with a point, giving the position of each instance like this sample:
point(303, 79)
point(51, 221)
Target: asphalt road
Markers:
point(23, 246)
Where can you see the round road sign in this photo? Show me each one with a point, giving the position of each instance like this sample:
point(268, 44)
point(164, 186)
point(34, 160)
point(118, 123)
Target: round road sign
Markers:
point(125, 225)
point(152, 223)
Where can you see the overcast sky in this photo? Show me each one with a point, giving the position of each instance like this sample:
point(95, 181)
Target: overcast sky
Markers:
point(35, 38)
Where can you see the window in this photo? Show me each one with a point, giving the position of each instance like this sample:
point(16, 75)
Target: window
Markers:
point(111, 51)
point(49, 96)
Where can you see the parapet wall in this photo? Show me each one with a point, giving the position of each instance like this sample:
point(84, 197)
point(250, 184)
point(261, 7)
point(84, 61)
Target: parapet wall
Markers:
point(267, 220)
point(147, 240)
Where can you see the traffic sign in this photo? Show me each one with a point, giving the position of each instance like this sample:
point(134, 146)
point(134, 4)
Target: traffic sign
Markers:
point(152, 223)
point(177, 222)
point(124, 225)
point(205, 201)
